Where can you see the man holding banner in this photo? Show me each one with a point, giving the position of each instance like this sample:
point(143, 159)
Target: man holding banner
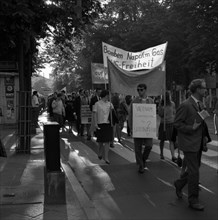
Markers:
point(142, 135)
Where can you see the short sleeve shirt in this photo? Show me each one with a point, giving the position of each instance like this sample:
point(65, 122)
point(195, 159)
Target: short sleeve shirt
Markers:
point(35, 101)
point(102, 109)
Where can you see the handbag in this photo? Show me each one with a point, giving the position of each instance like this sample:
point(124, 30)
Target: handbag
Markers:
point(113, 116)
point(2, 150)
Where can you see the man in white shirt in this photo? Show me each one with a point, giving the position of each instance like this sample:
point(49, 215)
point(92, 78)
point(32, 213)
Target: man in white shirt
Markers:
point(35, 108)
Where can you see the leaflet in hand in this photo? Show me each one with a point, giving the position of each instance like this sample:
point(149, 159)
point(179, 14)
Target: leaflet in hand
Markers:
point(204, 114)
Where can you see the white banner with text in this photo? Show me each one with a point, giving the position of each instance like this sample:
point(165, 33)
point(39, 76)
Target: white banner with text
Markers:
point(146, 59)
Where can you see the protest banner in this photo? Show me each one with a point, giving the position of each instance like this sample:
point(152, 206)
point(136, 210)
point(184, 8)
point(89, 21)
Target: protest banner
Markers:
point(144, 121)
point(99, 73)
point(86, 114)
point(125, 82)
point(146, 59)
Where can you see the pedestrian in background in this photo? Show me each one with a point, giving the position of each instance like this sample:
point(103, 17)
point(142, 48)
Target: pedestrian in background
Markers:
point(115, 99)
point(58, 110)
point(122, 112)
point(70, 112)
point(104, 130)
point(85, 100)
point(191, 130)
point(128, 99)
point(50, 109)
point(35, 108)
point(167, 112)
point(138, 142)
point(78, 111)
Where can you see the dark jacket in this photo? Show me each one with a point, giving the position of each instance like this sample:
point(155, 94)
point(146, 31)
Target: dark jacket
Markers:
point(190, 140)
point(93, 100)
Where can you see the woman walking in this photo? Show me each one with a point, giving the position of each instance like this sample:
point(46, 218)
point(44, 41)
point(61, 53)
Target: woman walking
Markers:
point(167, 114)
point(104, 129)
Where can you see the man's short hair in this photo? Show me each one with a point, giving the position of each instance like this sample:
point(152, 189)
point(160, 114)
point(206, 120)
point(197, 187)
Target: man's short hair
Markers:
point(142, 85)
point(80, 90)
point(59, 95)
point(34, 92)
point(104, 93)
point(195, 84)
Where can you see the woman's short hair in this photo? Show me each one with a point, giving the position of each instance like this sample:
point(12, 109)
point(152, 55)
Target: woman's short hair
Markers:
point(104, 93)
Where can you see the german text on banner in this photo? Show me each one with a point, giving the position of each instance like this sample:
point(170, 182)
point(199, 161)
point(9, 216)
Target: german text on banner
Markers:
point(144, 121)
point(125, 82)
point(99, 73)
point(146, 59)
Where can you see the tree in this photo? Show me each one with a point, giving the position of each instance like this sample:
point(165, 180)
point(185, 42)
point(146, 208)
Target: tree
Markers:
point(189, 27)
point(23, 22)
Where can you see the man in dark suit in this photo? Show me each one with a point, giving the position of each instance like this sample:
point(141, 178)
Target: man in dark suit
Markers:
point(95, 98)
point(192, 137)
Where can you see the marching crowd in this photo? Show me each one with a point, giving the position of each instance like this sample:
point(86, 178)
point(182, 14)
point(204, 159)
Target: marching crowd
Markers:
point(184, 127)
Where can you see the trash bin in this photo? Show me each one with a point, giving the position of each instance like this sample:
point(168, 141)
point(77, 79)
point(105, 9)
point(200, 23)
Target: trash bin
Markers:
point(54, 176)
point(52, 146)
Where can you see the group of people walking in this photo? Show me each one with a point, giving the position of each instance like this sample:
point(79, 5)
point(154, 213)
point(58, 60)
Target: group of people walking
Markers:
point(185, 128)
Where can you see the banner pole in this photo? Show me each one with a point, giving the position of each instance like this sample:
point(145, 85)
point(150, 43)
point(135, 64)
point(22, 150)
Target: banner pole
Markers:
point(165, 97)
point(109, 88)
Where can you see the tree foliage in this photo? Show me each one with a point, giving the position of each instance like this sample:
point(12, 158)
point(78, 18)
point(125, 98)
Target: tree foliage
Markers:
point(189, 27)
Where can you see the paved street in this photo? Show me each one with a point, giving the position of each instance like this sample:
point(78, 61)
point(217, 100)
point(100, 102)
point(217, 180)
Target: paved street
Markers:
point(96, 190)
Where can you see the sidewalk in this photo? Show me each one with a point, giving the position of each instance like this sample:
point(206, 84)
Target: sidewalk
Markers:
point(22, 185)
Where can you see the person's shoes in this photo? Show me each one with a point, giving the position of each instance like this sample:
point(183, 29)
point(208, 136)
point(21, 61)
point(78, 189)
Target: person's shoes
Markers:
point(99, 157)
point(88, 138)
point(111, 145)
point(178, 191)
point(174, 159)
point(141, 170)
point(107, 161)
point(161, 157)
point(196, 206)
point(179, 162)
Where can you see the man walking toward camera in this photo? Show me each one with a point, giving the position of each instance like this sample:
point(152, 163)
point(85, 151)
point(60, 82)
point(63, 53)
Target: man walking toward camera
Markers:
point(138, 142)
point(192, 138)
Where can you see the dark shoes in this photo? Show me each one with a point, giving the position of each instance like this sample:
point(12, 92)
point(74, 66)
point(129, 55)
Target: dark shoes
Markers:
point(99, 157)
point(88, 138)
point(197, 206)
point(161, 157)
point(178, 191)
point(141, 170)
point(174, 159)
point(179, 162)
point(111, 145)
point(107, 161)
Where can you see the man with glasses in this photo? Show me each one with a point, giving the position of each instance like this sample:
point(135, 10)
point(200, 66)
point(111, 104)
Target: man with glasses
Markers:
point(139, 142)
point(192, 138)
